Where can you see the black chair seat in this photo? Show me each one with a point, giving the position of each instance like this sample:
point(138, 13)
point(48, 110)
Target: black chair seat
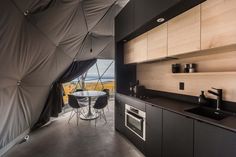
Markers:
point(101, 102)
point(76, 106)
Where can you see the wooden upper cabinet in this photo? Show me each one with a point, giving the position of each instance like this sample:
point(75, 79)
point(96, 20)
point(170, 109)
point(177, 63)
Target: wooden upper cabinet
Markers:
point(157, 42)
point(184, 32)
point(140, 48)
point(135, 50)
point(218, 23)
point(129, 52)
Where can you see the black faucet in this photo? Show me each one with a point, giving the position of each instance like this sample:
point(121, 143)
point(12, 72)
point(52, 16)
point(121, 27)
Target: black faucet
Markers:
point(219, 94)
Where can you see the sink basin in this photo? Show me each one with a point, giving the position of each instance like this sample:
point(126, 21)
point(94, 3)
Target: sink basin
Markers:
point(207, 112)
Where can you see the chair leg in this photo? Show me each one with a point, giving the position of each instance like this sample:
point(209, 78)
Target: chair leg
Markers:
point(77, 116)
point(95, 122)
point(96, 112)
point(71, 115)
point(104, 116)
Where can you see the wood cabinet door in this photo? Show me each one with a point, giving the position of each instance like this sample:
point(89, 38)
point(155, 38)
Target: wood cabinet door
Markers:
point(129, 52)
point(218, 23)
point(212, 141)
point(177, 135)
point(140, 48)
point(157, 42)
point(135, 50)
point(184, 32)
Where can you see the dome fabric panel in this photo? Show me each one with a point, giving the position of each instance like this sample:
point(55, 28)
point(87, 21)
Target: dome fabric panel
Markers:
point(94, 10)
point(39, 40)
point(93, 42)
point(12, 118)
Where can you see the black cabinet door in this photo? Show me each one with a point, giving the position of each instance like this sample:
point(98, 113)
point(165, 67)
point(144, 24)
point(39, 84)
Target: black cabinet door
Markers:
point(146, 10)
point(124, 22)
point(177, 135)
point(153, 145)
point(119, 115)
point(212, 141)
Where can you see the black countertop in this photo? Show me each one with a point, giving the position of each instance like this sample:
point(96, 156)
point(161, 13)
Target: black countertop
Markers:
point(179, 107)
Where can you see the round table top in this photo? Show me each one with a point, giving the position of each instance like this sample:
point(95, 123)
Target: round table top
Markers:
point(89, 93)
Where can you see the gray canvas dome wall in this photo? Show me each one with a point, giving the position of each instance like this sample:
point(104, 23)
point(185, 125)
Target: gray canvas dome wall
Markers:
point(39, 39)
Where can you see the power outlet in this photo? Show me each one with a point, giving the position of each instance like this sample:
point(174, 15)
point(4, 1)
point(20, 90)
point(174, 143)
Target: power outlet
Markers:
point(181, 86)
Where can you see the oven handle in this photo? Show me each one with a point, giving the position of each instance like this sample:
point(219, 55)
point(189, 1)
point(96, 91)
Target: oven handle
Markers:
point(138, 119)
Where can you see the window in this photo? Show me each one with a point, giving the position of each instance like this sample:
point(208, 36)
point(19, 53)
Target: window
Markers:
point(100, 76)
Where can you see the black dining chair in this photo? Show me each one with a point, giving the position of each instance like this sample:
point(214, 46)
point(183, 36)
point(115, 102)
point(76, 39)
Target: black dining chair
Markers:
point(107, 91)
point(99, 106)
point(77, 107)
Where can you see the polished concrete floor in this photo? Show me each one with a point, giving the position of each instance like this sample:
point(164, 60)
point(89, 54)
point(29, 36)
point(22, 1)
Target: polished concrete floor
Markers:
point(60, 139)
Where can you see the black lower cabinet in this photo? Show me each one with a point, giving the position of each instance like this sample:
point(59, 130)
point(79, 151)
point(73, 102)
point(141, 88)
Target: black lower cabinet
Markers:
point(177, 135)
point(136, 140)
point(119, 115)
point(153, 145)
point(212, 141)
point(120, 101)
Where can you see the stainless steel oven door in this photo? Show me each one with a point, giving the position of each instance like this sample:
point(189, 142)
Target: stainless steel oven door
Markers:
point(135, 123)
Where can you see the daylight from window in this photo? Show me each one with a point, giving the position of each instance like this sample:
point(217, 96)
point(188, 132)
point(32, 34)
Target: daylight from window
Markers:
point(100, 76)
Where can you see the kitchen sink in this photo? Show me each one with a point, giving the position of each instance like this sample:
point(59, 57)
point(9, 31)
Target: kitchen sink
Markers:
point(210, 113)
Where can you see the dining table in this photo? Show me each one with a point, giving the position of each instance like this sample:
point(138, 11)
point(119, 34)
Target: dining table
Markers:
point(90, 115)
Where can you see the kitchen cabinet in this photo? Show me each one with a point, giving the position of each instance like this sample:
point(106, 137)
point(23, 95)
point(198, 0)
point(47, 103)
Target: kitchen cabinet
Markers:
point(129, 54)
point(135, 51)
point(157, 42)
point(140, 48)
point(119, 114)
point(212, 141)
point(184, 32)
point(137, 141)
point(177, 135)
point(218, 23)
point(153, 145)
point(120, 102)
point(124, 22)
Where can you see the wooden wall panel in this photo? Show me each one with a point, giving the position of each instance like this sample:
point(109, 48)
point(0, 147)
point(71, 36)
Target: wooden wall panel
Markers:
point(158, 75)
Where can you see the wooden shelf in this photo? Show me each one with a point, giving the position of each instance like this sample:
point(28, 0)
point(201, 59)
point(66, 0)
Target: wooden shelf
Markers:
point(204, 73)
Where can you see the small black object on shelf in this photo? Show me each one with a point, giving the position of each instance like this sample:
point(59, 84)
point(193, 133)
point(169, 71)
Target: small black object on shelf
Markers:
point(186, 68)
point(192, 68)
point(176, 68)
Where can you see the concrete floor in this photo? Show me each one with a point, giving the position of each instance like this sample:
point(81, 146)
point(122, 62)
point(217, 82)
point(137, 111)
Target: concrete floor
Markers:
point(60, 139)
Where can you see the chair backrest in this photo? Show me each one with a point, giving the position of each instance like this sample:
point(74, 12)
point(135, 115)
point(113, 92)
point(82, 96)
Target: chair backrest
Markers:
point(107, 91)
point(101, 102)
point(73, 101)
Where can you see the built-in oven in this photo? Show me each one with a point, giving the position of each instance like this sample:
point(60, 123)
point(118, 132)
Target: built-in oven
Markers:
point(135, 120)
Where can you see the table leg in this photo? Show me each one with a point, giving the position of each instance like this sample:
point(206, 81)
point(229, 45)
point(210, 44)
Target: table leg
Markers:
point(89, 112)
point(90, 115)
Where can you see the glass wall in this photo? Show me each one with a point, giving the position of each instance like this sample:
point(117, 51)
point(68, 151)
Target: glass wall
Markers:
point(100, 76)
